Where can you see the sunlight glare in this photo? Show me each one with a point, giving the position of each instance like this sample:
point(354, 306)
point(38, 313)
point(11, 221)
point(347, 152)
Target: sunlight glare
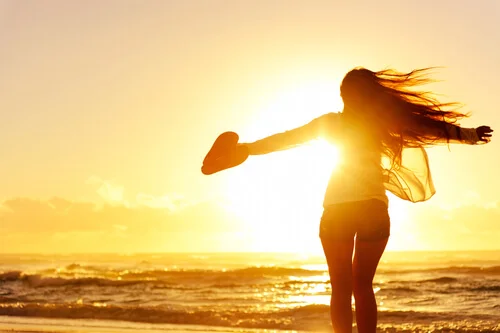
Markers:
point(279, 196)
point(401, 224)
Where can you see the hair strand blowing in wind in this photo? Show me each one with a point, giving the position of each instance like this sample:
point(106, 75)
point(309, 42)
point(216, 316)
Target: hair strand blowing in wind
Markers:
point(394, 112)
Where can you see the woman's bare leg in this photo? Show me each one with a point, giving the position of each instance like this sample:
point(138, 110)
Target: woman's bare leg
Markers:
point(366, 258)
point(339, 259)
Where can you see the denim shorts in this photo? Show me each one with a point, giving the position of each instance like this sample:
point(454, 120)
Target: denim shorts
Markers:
point(367, 220)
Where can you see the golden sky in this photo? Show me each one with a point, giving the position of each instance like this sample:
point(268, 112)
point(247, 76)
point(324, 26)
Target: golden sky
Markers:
point(108, 108)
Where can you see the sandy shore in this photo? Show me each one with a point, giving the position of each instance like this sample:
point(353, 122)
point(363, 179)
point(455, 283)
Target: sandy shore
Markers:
point(44, 325)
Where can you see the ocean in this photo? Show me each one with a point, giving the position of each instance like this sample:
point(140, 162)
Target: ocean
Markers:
point(416, 291)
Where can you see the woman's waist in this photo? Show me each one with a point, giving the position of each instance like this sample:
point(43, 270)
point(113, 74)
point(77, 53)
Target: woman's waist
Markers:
point(349, 174)
point(350, 186)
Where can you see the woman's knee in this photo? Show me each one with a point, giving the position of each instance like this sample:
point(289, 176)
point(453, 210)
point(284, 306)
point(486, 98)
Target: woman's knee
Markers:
point(362, 285)
point(341, 286)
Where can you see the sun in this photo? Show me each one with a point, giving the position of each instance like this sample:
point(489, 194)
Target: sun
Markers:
point(278, 197)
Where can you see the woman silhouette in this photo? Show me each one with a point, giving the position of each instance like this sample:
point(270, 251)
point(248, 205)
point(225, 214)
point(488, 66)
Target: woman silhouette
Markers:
point(382, 132)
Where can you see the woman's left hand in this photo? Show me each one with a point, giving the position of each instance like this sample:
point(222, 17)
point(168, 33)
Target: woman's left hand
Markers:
point(484, 133)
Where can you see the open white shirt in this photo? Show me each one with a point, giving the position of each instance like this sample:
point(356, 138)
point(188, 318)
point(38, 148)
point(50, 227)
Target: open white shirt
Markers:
point(362, 175)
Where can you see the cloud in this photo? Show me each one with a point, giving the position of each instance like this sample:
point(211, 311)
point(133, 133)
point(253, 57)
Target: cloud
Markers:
point(43, 224)
point(170, 202)
point(170, 222)
point(114, 194)
point(464, 227)
point(111, 193)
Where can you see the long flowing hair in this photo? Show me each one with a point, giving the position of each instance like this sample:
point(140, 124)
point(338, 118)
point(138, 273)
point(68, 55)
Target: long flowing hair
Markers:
point(393, 111)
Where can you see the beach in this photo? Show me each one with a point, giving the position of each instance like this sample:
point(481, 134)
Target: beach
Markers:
point(36, 325)
point(23, 325)
point(241, 292)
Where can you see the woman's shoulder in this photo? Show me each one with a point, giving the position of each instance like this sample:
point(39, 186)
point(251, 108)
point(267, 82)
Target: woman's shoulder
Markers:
point(326, 125)
point(328, 119)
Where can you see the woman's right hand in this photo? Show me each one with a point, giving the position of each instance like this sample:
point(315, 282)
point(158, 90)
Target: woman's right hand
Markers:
point(484, 133)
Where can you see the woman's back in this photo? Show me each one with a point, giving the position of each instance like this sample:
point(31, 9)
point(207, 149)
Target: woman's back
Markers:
point(359, 174)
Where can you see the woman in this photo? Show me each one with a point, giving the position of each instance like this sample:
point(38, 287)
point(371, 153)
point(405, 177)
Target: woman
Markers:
point(382, 132)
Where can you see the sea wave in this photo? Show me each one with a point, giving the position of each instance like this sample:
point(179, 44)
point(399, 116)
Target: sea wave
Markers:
point(74, 275)
point(400, 290)
point(473, 270)
point(234, 280)
point(309, 317)
point(224, 276)
point(442, 279)
point(492, 288)
point(40, 281)
point(298, 318)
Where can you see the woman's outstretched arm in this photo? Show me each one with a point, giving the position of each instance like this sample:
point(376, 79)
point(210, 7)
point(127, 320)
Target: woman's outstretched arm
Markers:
point(319, 127)
point(451, 133)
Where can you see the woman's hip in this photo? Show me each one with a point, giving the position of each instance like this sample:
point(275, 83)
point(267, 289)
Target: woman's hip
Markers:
point(367, 219)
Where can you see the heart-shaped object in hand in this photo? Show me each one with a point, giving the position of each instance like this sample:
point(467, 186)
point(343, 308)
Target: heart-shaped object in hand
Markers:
point(224, 154)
